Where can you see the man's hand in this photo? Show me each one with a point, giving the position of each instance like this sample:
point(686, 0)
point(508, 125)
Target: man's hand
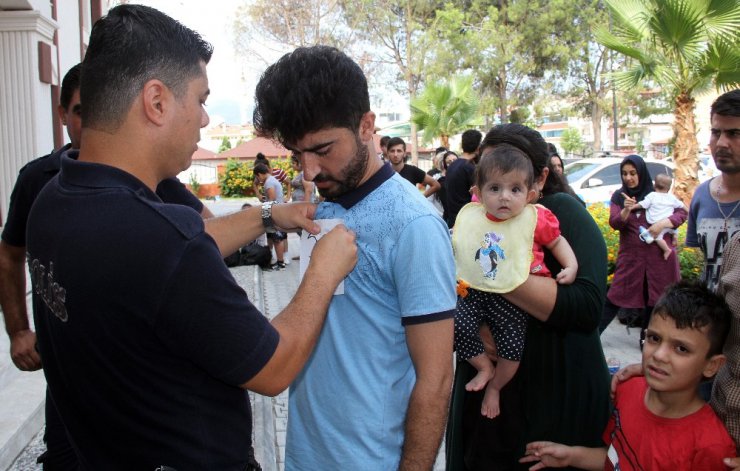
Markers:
point(294, 216)
point(335, 254)
point(23, 351)
point(624, 374)
point(732, 463)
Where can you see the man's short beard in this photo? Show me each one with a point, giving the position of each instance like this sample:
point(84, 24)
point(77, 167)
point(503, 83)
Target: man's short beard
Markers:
point(351, 174)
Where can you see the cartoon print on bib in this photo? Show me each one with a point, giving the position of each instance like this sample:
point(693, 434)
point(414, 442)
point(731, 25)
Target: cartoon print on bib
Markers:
point(490, 254)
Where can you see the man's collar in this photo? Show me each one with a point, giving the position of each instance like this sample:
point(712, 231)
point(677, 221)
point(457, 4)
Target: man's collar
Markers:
point(356, 195)
point(53, 165)
point(93, 175)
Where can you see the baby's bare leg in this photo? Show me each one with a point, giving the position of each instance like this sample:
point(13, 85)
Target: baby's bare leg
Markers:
point(505, 370)
point(664, 247)
point(486, 372)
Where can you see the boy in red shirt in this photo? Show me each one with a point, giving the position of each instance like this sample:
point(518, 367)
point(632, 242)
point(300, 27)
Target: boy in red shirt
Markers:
point(659, 420)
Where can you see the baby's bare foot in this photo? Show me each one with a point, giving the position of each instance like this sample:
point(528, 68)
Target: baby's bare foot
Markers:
point(490, 406)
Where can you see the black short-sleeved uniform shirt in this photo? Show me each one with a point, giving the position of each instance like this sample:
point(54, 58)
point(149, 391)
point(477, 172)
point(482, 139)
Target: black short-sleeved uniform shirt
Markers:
point(413, 174)
point(458, 181)
point(143, 332)
point(37, 173)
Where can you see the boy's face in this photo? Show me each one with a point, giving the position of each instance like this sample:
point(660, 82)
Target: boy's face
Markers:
point(675, 359)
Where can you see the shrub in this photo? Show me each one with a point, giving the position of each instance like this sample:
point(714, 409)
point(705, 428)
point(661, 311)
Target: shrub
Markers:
point(238, 177)
point(690, 259)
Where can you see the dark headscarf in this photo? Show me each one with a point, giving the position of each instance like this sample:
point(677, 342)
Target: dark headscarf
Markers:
point(644, 184)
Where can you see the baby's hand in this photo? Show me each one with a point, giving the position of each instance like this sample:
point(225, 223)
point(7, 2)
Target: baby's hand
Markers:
point(567, 275)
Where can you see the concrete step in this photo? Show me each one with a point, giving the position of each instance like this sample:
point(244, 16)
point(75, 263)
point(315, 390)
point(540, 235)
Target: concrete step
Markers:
point(21, 414)
point(22, 396)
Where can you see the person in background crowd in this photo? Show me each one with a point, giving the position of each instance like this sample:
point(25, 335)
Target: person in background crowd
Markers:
point(460, 175)
point(642, 273)
point(299, 188)
point(384, 148)
point(273, 194)
point(415, 175)
point(713, 214)
point(437, 163)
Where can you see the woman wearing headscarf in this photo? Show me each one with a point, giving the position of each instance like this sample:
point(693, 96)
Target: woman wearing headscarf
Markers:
point(641, 274)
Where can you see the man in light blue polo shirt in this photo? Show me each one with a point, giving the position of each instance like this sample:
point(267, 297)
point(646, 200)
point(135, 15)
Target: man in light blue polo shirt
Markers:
point(374, 394)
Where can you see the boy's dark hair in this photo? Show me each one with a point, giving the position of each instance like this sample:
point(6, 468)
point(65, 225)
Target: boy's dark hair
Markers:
point(471, 140)
point(727, 104)
point(309, 89)
point(503, 159)
point(394, 141)
point(532, 144)
point(260, 168)
point(692, 305)
point(129, 46)
point(384, 141)
point(70, 83)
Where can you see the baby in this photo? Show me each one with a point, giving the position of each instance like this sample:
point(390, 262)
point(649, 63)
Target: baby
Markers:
point(658, 205)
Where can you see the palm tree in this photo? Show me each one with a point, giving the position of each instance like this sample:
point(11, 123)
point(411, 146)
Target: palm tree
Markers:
point(445, 109)
point(686, 47)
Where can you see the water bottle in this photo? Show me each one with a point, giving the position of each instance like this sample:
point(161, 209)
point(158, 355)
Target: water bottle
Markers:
point(645, 236)
point(613, 364)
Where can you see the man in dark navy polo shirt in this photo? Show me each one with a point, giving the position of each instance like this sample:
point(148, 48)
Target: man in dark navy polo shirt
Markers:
point(147, 341)
point(31, 179)
point(415, 175)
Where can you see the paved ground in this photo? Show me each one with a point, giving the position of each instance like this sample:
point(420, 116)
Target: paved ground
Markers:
point(271, 414)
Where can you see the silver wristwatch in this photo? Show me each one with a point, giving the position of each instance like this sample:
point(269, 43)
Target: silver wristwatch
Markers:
point(267, 220)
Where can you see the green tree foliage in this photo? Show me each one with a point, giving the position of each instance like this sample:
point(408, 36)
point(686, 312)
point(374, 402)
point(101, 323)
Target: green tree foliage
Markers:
point(444, 109)
point(398, 31)
point(571, 141)
point(685, 46)
point(507, 45)
point(225, 145)
point(268, 28)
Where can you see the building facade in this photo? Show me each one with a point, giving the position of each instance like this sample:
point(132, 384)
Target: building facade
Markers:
point(39, 41)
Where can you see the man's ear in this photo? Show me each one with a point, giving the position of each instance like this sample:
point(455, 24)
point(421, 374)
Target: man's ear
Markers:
point(62, 114)
point(155, 98)
point(367, 126)
point(713, 365)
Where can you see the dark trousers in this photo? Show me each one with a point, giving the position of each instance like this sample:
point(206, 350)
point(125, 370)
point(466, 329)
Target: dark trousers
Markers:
point(59, 454)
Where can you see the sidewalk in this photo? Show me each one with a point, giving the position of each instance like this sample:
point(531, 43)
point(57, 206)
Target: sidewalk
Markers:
point(271, 292)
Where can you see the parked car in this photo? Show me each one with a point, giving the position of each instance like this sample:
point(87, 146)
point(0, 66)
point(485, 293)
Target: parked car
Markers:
point(594, 180)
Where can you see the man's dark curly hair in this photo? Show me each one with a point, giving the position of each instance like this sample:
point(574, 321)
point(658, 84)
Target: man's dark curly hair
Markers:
point(310, 89)
point(727, 104)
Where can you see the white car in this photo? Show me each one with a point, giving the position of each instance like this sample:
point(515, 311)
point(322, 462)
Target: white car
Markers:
point(594, 180)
